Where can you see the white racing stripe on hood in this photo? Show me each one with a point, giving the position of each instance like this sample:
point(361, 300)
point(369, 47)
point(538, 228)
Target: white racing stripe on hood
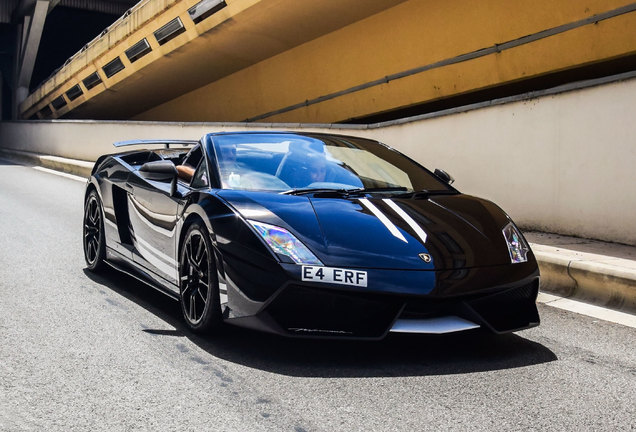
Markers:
point(408, 219)
point(385, 220)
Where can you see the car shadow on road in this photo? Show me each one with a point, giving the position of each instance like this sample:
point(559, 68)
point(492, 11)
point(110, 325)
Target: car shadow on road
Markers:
point(396, 355)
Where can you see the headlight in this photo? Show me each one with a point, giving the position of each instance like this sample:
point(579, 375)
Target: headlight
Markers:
point(283, 242)
point(517, 246)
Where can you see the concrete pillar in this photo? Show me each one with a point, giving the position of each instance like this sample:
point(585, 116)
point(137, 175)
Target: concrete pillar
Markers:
point(28, 50)
point(21, 94)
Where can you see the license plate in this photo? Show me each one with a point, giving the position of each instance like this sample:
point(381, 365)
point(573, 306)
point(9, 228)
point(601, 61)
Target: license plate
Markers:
point(334, 275)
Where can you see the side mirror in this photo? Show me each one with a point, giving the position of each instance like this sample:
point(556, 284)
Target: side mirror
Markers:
point(444, 176)
point(163, 171)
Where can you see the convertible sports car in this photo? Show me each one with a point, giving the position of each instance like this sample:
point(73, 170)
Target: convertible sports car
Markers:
point(308, 234)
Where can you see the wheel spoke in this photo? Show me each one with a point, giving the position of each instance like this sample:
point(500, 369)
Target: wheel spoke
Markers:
point(200, 250)
point(92, 231)
point(193, 307)
point(91, 212)
point(92, 250)
point(187, 288)
point(203, 261)
point(189, 257)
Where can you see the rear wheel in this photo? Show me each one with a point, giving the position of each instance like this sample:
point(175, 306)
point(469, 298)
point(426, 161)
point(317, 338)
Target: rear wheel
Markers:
point(198, 282)
point(94, 241)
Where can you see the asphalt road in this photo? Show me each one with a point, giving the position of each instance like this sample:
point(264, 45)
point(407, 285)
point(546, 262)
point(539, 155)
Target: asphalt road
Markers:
point(86, 352)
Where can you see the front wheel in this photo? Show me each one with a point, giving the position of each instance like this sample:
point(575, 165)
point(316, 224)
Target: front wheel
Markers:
point(94, 240)
point(198, 282)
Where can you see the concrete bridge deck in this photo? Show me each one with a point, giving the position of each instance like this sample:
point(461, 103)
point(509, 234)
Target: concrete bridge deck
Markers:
point(325, 61)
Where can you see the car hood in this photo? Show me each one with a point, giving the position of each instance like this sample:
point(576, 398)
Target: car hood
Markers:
point(443, 232)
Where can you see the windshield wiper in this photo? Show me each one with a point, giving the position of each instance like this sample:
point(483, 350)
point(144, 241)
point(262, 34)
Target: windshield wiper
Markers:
point(344, 192)
point(302, 191)
point(381, 189)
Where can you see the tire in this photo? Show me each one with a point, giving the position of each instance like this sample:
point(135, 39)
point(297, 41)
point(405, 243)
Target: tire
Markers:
point(198, 283)
point(93, 233)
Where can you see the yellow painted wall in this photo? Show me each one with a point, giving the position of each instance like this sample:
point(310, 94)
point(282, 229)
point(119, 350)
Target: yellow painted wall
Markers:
point(410, 35)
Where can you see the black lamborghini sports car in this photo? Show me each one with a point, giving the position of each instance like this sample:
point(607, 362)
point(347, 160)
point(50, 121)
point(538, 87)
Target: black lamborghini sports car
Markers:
point(308, 234)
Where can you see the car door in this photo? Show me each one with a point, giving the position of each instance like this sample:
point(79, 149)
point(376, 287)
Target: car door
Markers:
point(154, 215)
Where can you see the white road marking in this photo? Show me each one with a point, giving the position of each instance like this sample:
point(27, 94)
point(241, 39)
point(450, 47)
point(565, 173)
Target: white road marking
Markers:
point(385, 220)
point(593, 311)
point(409, 220)
point(60, 173)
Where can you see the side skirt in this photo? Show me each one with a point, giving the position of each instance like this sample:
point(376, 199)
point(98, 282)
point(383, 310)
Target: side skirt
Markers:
point(131, 268)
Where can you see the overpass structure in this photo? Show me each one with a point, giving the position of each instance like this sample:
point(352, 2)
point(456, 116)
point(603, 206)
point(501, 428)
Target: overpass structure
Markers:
point(326, 61)
point(37, 36)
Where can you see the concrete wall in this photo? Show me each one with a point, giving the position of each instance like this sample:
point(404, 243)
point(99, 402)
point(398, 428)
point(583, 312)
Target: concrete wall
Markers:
point(561, 163)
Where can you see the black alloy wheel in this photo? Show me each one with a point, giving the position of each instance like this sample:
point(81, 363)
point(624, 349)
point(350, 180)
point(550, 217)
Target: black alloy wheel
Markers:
point(199, 286)
point(94, 243)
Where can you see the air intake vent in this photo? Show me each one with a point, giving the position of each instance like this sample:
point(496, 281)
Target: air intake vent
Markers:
point(58, 102)
point(92, 80)
point(113, 67)
point(171, 30)
point(138, 50)
point(74, 92)
point(46, 112)
point(204, 9)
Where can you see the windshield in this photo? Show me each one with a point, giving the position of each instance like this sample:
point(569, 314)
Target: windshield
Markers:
point(283, 162)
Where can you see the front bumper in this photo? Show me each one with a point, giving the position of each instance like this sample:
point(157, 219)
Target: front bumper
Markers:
point(501, 299)
point(305, 311)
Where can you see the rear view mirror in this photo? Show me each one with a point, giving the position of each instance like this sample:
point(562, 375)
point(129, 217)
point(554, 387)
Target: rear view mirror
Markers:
point(163, 171)
point(444, 176)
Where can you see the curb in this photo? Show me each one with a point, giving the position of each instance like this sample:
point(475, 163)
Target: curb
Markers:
point(581, 276)
point(70, 166)
point(565, 273)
